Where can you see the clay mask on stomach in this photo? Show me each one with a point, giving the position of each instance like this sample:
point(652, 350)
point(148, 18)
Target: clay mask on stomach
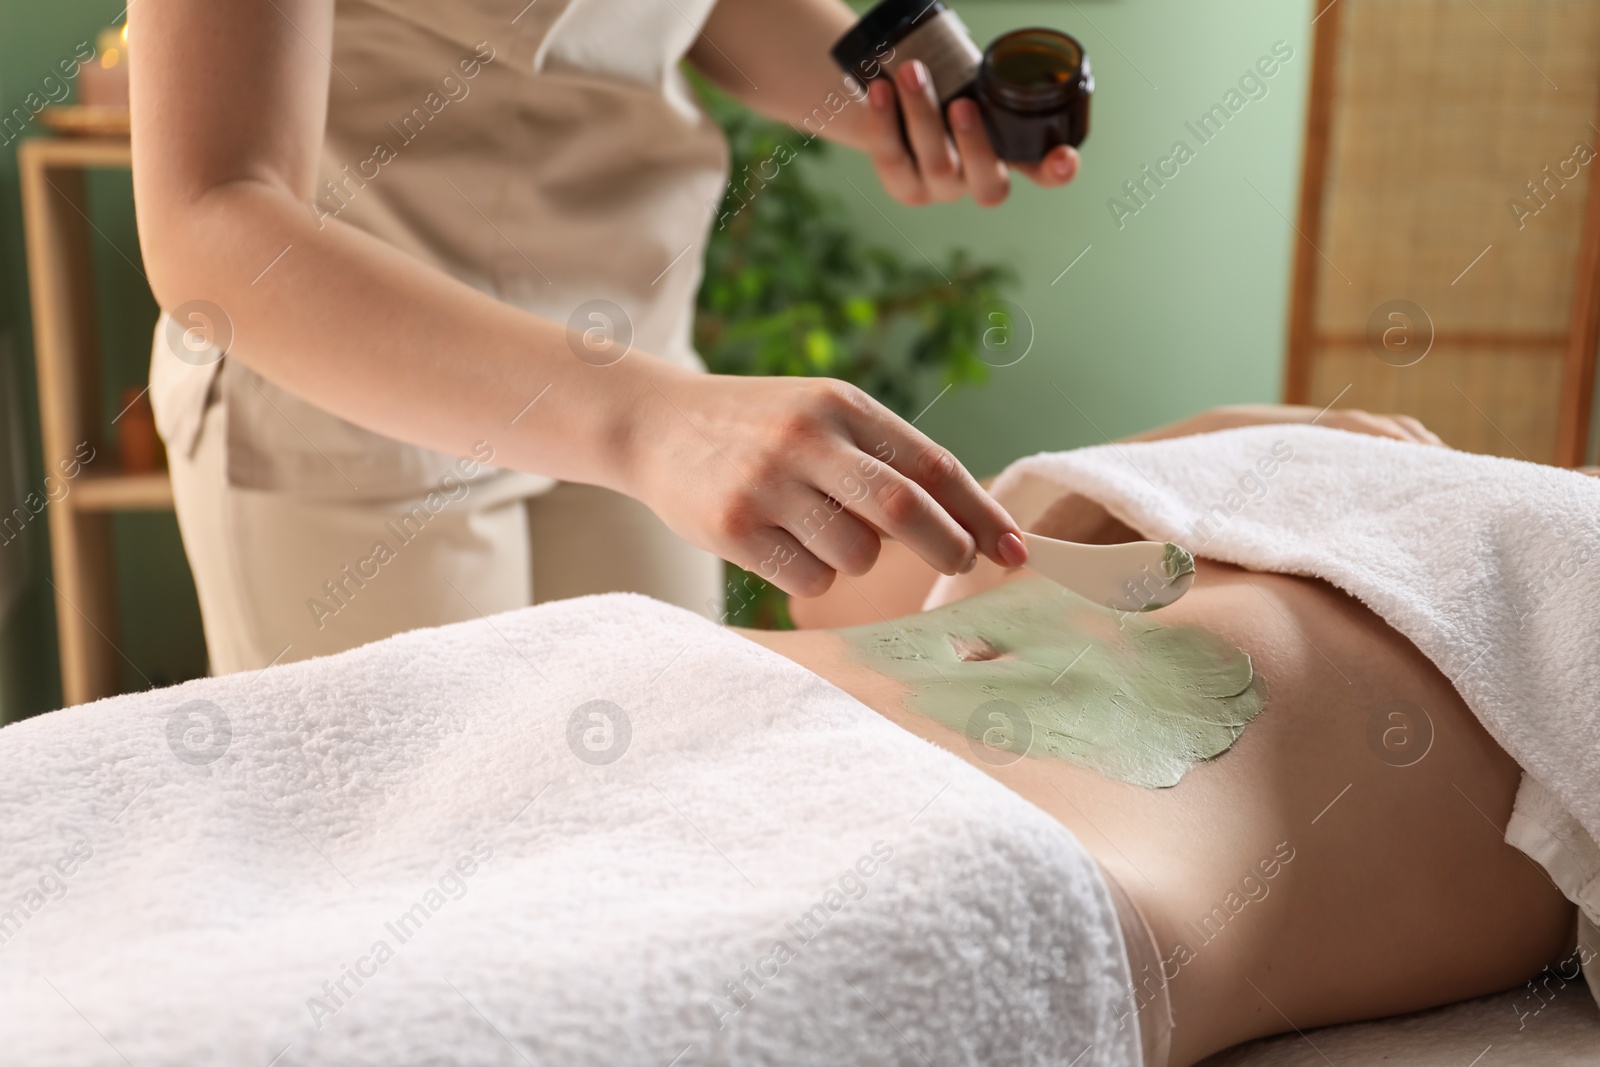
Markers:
point(1030, 668)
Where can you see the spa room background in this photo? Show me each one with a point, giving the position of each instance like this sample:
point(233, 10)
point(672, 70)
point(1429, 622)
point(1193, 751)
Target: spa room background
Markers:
point(1137, 321)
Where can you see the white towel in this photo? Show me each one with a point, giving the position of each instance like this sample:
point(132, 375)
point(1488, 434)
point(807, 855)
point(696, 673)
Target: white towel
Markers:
point(181, 879)
point(1491, 567)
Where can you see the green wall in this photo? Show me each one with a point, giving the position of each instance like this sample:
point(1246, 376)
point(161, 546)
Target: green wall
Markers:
point(1186, 305)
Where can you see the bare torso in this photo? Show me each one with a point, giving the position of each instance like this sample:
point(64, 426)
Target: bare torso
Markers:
point(1400, 892)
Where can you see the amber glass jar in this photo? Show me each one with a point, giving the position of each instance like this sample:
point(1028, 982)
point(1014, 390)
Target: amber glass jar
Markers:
point(1034, 87)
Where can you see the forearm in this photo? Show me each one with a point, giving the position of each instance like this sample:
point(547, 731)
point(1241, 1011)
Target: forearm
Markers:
point(1201, 423)
point(388, 342)
point(784, 71)
point(1233, 416)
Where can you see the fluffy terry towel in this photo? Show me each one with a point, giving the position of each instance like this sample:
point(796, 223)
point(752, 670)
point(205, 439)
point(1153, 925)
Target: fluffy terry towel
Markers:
point(1490, 566)
point(603, 831)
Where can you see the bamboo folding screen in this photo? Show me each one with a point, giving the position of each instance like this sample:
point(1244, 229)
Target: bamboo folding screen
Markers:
point(1448, 264)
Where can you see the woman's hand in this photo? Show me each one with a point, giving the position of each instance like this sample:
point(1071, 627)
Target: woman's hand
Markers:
point(938, 169)
point(788, 43)
point(799, 479)
point(1398, 427)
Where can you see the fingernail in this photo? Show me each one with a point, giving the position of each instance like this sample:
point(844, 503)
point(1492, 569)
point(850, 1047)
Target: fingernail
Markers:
point(962, 115)
point(915, 75)
point(1063, 165)
point(881, 96)
point(967, 567)
point(1013, 553)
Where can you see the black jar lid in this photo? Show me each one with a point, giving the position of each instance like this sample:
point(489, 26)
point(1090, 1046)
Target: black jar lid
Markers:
point(887, 22)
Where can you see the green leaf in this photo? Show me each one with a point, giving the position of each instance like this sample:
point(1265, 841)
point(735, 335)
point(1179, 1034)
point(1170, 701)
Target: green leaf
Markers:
point(819, 350)
point(860, 310)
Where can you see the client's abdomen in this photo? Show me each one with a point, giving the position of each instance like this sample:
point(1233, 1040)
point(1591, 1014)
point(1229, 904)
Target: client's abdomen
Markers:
point(1343, 859)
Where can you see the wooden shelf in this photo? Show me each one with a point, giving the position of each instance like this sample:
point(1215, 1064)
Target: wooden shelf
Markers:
point(76, 152)
point(55, 214)
point(87, 120)
point(123, 492)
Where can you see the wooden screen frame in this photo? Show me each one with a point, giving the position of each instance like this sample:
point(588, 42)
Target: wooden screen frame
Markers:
point(1576, 402)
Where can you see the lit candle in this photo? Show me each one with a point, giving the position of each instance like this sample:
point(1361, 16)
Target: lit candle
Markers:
point(103, 82)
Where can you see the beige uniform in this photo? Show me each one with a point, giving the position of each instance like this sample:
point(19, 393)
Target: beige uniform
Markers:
point(551, 155)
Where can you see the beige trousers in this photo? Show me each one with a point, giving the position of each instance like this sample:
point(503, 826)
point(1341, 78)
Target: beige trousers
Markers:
point(283, 577)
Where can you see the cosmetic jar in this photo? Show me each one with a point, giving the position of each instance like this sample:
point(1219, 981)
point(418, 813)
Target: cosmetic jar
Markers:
point(897, 31)
point(1032, 86)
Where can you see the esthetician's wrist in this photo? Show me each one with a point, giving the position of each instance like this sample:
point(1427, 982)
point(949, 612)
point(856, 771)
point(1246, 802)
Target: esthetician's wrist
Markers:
point(636, 419)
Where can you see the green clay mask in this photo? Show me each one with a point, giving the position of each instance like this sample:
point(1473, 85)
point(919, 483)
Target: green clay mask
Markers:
point(1030, 668)
point(1176, 563)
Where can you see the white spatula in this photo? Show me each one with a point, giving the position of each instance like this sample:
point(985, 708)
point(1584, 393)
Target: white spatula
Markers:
point(1139, 576)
